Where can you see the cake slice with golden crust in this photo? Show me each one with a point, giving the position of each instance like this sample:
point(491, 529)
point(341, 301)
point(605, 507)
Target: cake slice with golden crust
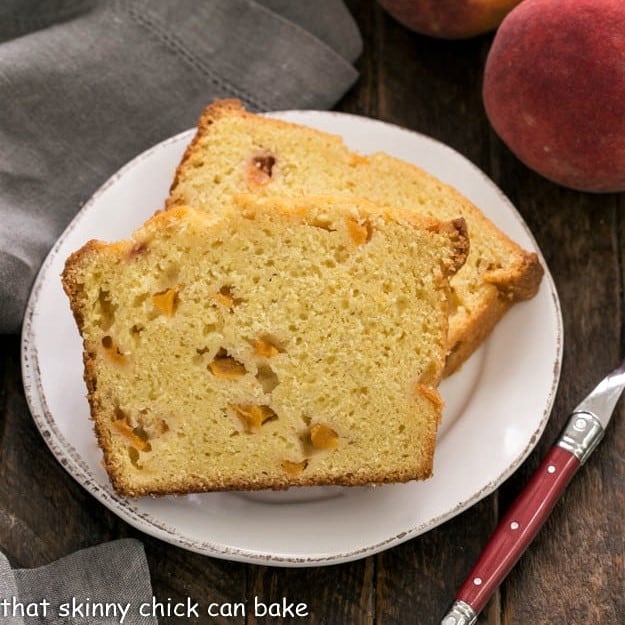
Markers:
point(270, 343)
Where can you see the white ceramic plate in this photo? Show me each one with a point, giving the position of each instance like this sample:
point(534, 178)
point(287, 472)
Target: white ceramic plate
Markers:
point(496, 406)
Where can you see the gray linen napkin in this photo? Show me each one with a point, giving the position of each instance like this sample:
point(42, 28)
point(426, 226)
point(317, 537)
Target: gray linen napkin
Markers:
point(102, 585)
point(85, 85)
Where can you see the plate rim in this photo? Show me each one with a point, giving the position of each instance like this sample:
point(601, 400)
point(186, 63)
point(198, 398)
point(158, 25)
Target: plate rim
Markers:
point(70, 459)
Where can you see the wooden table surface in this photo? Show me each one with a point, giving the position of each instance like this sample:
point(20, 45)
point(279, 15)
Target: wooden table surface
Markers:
point(575, 570)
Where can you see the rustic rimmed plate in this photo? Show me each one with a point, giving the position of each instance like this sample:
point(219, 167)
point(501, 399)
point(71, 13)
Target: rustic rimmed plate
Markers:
point(496, 406)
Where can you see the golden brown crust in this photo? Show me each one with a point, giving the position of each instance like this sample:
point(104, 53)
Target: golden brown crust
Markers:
point(197, 485)
point(75, 295)
point(524, 282)
point(219, 108)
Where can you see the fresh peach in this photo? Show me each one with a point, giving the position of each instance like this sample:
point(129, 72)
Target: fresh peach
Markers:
point(554, 90)
point(449, 19)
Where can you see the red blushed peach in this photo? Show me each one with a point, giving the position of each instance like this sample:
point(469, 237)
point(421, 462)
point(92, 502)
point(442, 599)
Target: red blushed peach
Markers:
point(449, 19)
point(554, 90)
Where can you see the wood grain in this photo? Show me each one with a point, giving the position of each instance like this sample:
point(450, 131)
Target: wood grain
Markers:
point(574, 571)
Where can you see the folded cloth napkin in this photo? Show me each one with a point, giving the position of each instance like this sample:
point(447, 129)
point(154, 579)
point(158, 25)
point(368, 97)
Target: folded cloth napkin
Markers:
point(102, 585)
point(88, 84)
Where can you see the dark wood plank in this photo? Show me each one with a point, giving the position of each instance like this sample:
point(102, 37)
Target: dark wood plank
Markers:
point(564, 573)
point(362, 98)
point(335, 594)
point(433, 87)
point(179, 576)
point(417, 581)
